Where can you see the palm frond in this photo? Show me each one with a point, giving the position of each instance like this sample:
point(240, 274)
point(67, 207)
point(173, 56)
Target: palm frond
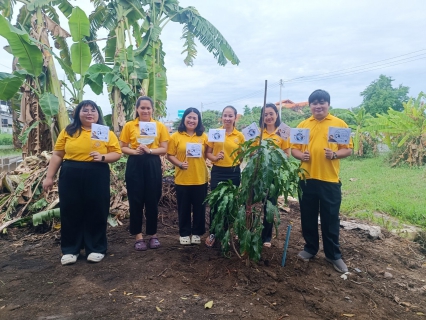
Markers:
point(190, 47)
point(110, 48)
point(64, 6)
point(24, 18)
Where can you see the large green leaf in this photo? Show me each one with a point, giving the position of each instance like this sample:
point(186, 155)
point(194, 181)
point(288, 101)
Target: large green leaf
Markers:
point(9, 85)
point(79, 24)
point(34, 4)
point(29, 55)
point(49, 103)
point(48, 215)
point(96, 69)
point(158, 85)
point(80, 57)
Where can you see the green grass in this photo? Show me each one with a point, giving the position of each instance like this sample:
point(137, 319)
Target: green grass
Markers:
point(10, 152)
point(399, 192)
point(6, 139)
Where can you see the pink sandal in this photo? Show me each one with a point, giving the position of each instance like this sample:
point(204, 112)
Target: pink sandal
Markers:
point(140, 245)
point(154, 243)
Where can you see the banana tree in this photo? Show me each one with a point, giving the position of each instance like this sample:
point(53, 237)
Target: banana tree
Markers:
point(134, 42)
point(404, 131)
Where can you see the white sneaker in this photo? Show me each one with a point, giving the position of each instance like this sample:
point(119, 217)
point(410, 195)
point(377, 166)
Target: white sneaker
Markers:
point(185, 240)
point(95, 257)
point(195, 239)
point(69, 259)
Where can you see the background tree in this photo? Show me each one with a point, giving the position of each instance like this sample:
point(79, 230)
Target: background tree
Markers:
point(404, 131)
point(379, 96)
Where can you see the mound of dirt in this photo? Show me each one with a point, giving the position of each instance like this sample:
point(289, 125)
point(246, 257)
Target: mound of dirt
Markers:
point(386, 280)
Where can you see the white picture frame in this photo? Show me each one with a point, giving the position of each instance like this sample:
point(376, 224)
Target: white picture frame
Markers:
point(147, 128)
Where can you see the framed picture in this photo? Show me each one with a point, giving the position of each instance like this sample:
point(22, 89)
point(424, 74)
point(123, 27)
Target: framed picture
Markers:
point(251, 132)
point(99, 132)
point(217, 135)
point(339, 135)
point(193, 150)
point(299, 136)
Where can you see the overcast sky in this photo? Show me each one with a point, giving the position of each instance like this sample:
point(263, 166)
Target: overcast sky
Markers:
point(289, 39)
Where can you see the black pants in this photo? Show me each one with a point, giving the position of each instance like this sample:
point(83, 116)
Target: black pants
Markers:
point(221, 174)
point(144, 188)
point(191, 199)
point(325, 198)
point(84, 196)
point(267, 226)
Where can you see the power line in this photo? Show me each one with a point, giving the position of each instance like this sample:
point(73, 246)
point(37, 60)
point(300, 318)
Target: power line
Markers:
point(6, 66)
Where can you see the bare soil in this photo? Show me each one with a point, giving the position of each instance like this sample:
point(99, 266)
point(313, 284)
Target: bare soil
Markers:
point(175, 282)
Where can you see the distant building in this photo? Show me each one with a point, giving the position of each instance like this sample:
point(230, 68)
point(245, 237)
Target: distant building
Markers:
point(295, 106)
point(6, 120)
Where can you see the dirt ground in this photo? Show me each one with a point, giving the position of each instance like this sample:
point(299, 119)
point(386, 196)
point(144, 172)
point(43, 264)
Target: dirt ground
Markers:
point(175, 282)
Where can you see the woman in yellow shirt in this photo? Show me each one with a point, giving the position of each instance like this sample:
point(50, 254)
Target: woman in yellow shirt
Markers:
point(143, 172)
point(186, 150)
point(84, 184)
point(271, 123)
point(219, 153)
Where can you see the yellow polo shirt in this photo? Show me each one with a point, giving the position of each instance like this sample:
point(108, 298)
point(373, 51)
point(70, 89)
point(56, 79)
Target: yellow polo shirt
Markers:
point(280, 142)
point(319, 167)
point(131, 132)
point(78, 147)
point(232, 142)
point(197, 169)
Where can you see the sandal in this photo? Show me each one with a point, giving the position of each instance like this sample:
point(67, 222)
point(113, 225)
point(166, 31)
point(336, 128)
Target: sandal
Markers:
point(185, 240)
point(210, 240)
point(140, 245)
point(195, 239)
point(154, 243)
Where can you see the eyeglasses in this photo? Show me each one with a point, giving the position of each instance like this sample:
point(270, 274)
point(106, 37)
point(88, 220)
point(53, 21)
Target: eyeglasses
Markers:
point(87, 111)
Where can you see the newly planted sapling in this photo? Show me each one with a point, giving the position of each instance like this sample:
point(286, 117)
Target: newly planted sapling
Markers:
point(239, 210)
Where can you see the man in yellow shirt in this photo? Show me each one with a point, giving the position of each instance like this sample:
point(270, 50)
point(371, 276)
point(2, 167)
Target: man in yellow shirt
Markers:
point(322, 190)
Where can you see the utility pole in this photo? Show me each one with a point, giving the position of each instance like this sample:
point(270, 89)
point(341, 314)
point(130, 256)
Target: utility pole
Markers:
point(281, 102)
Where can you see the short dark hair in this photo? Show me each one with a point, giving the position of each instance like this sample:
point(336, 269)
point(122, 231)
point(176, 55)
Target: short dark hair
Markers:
point(75, 126)
point(233, 109)
point(262, 113)
point(139, 101)
point(319, 95)
point(199, 129)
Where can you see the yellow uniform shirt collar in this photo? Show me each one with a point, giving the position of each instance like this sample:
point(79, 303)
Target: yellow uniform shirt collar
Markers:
point(82, 128)
point(136, 121)
point(234, 131)
point(327, 117)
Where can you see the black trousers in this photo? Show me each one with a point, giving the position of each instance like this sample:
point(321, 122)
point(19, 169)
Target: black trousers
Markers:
point(221, 174)
point(267, 226)
point(191, 199)
point(144, 189)
point(84, 196)
point(325, 198)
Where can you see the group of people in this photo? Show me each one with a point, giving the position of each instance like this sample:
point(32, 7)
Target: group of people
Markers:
point(84, 186)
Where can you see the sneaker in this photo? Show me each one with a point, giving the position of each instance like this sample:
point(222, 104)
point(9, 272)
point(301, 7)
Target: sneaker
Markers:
point(95, 257)
point(195, 239)
point(69, 259)
point(305, 256)
point(338, 264)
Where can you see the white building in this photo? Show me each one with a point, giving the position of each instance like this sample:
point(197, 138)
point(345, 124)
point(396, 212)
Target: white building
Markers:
point(5, 118)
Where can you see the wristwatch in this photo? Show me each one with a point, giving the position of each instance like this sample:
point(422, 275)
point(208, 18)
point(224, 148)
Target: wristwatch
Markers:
point(334, 156)
point(150, 151)
point(103, 158)
point(180, 165)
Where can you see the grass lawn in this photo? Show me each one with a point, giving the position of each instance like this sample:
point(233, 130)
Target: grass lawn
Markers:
point(399, 192)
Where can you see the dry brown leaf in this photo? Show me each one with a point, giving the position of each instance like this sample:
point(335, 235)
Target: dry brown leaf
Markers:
point(349, 315)
point(158, 309)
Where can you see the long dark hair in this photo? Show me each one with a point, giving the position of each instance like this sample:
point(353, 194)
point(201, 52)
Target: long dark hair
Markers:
point(75, 126)
point(262, 114)
point(199, 129)
point(233, 109)
point(139, 101)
